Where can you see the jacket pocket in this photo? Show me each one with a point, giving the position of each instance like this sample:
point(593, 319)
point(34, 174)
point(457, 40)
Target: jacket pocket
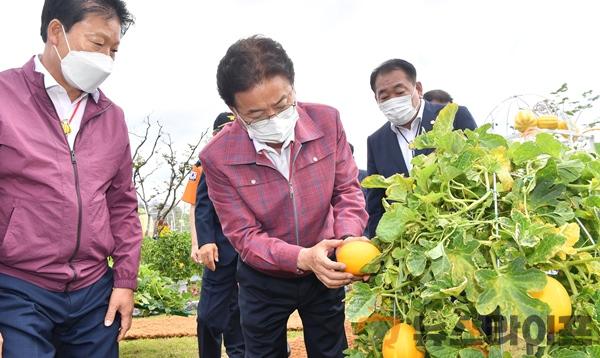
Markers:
point(97, 242)
point(5, 225)
point(35, 236)
point(264, 195)
point(317, 170)
point(312, 154)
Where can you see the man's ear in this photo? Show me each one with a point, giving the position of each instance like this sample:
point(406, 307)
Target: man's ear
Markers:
point(54, 33)
point(420, 89)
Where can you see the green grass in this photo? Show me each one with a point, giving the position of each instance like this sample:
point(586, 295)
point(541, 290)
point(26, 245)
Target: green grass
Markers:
point(185, 347)
point(164, 348)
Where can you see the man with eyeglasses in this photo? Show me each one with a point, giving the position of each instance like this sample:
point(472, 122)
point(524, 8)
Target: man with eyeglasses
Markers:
point(284, 184)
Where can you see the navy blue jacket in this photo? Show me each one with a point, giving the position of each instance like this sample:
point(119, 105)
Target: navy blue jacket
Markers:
point(362, 174)
point(384, 156)
point(208, 226)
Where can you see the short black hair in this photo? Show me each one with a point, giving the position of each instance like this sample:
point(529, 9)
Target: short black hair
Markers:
point(392, 65)
point(70, 12)
point(438, 95)
point(351, 147)
point(250, 61)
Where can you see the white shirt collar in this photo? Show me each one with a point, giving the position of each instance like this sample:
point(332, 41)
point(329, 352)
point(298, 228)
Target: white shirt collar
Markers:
point(258, 146)
point(50, 82)
point(414, 125)
point(281, 159)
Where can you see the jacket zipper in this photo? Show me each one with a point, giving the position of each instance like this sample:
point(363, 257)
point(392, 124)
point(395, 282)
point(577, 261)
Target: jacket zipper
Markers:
point(296, 225)
point(292, 196)
point(73, 159)
point(295, 214)
point(78, 194)
point(79, 215)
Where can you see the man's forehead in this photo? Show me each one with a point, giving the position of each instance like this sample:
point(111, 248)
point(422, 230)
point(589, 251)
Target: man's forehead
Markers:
point(114, 37)
point(97, 24)
point(264, 95)
point(391, 79)
point(391, 85)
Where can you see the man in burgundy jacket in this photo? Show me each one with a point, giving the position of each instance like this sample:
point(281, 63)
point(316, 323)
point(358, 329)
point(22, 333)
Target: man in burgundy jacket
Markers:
point(67, 202)
point(284, 184)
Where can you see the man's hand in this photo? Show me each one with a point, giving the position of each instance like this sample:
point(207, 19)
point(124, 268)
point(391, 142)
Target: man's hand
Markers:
point(1, 341)
point(329, 272)
point(121, 300)
point(195, 255)
point(209, 254)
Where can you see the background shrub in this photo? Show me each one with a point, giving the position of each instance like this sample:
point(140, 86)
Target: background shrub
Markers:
point(170, 256)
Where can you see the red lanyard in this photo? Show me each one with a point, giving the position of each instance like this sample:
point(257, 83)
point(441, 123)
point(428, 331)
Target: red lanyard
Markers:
point(75, 111)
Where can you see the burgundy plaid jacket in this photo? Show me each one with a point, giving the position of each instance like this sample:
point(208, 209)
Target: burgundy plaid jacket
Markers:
point(268, 219)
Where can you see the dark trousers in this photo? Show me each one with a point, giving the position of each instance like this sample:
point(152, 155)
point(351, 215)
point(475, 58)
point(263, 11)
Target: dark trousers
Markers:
point(37, 323)
point(267, 302)
point(219, 314)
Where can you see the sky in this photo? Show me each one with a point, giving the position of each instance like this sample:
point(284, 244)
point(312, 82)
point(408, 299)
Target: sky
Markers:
point(482, 52)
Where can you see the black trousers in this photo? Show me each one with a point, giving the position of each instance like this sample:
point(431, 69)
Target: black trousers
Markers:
point(37, 323)
point(266, 303)
point(219, 314)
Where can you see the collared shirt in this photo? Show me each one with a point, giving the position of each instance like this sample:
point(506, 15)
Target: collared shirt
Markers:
point(406, 136)
point(280, 159)
point(62, 103)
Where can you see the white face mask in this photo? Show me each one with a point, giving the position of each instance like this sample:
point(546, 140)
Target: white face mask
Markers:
point(274, 130)
point(85, 70)
point(399, 110)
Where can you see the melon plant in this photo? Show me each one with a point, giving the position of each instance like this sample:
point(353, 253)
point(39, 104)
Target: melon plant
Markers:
point(468, 242)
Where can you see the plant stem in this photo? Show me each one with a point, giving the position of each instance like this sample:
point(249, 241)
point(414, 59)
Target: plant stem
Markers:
point(579, 186)
point(475, 223)
point(403, 284)
point(588, 248)
point(397, 303)
point(525, 205)
point(468, 208)
point(493, 256)
point(583, 261)
point(487, 180)
point(565, 269)
point(527, 189)
point(461, 187)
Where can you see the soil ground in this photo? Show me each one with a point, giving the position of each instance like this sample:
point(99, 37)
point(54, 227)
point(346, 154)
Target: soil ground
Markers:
point(175, 326)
